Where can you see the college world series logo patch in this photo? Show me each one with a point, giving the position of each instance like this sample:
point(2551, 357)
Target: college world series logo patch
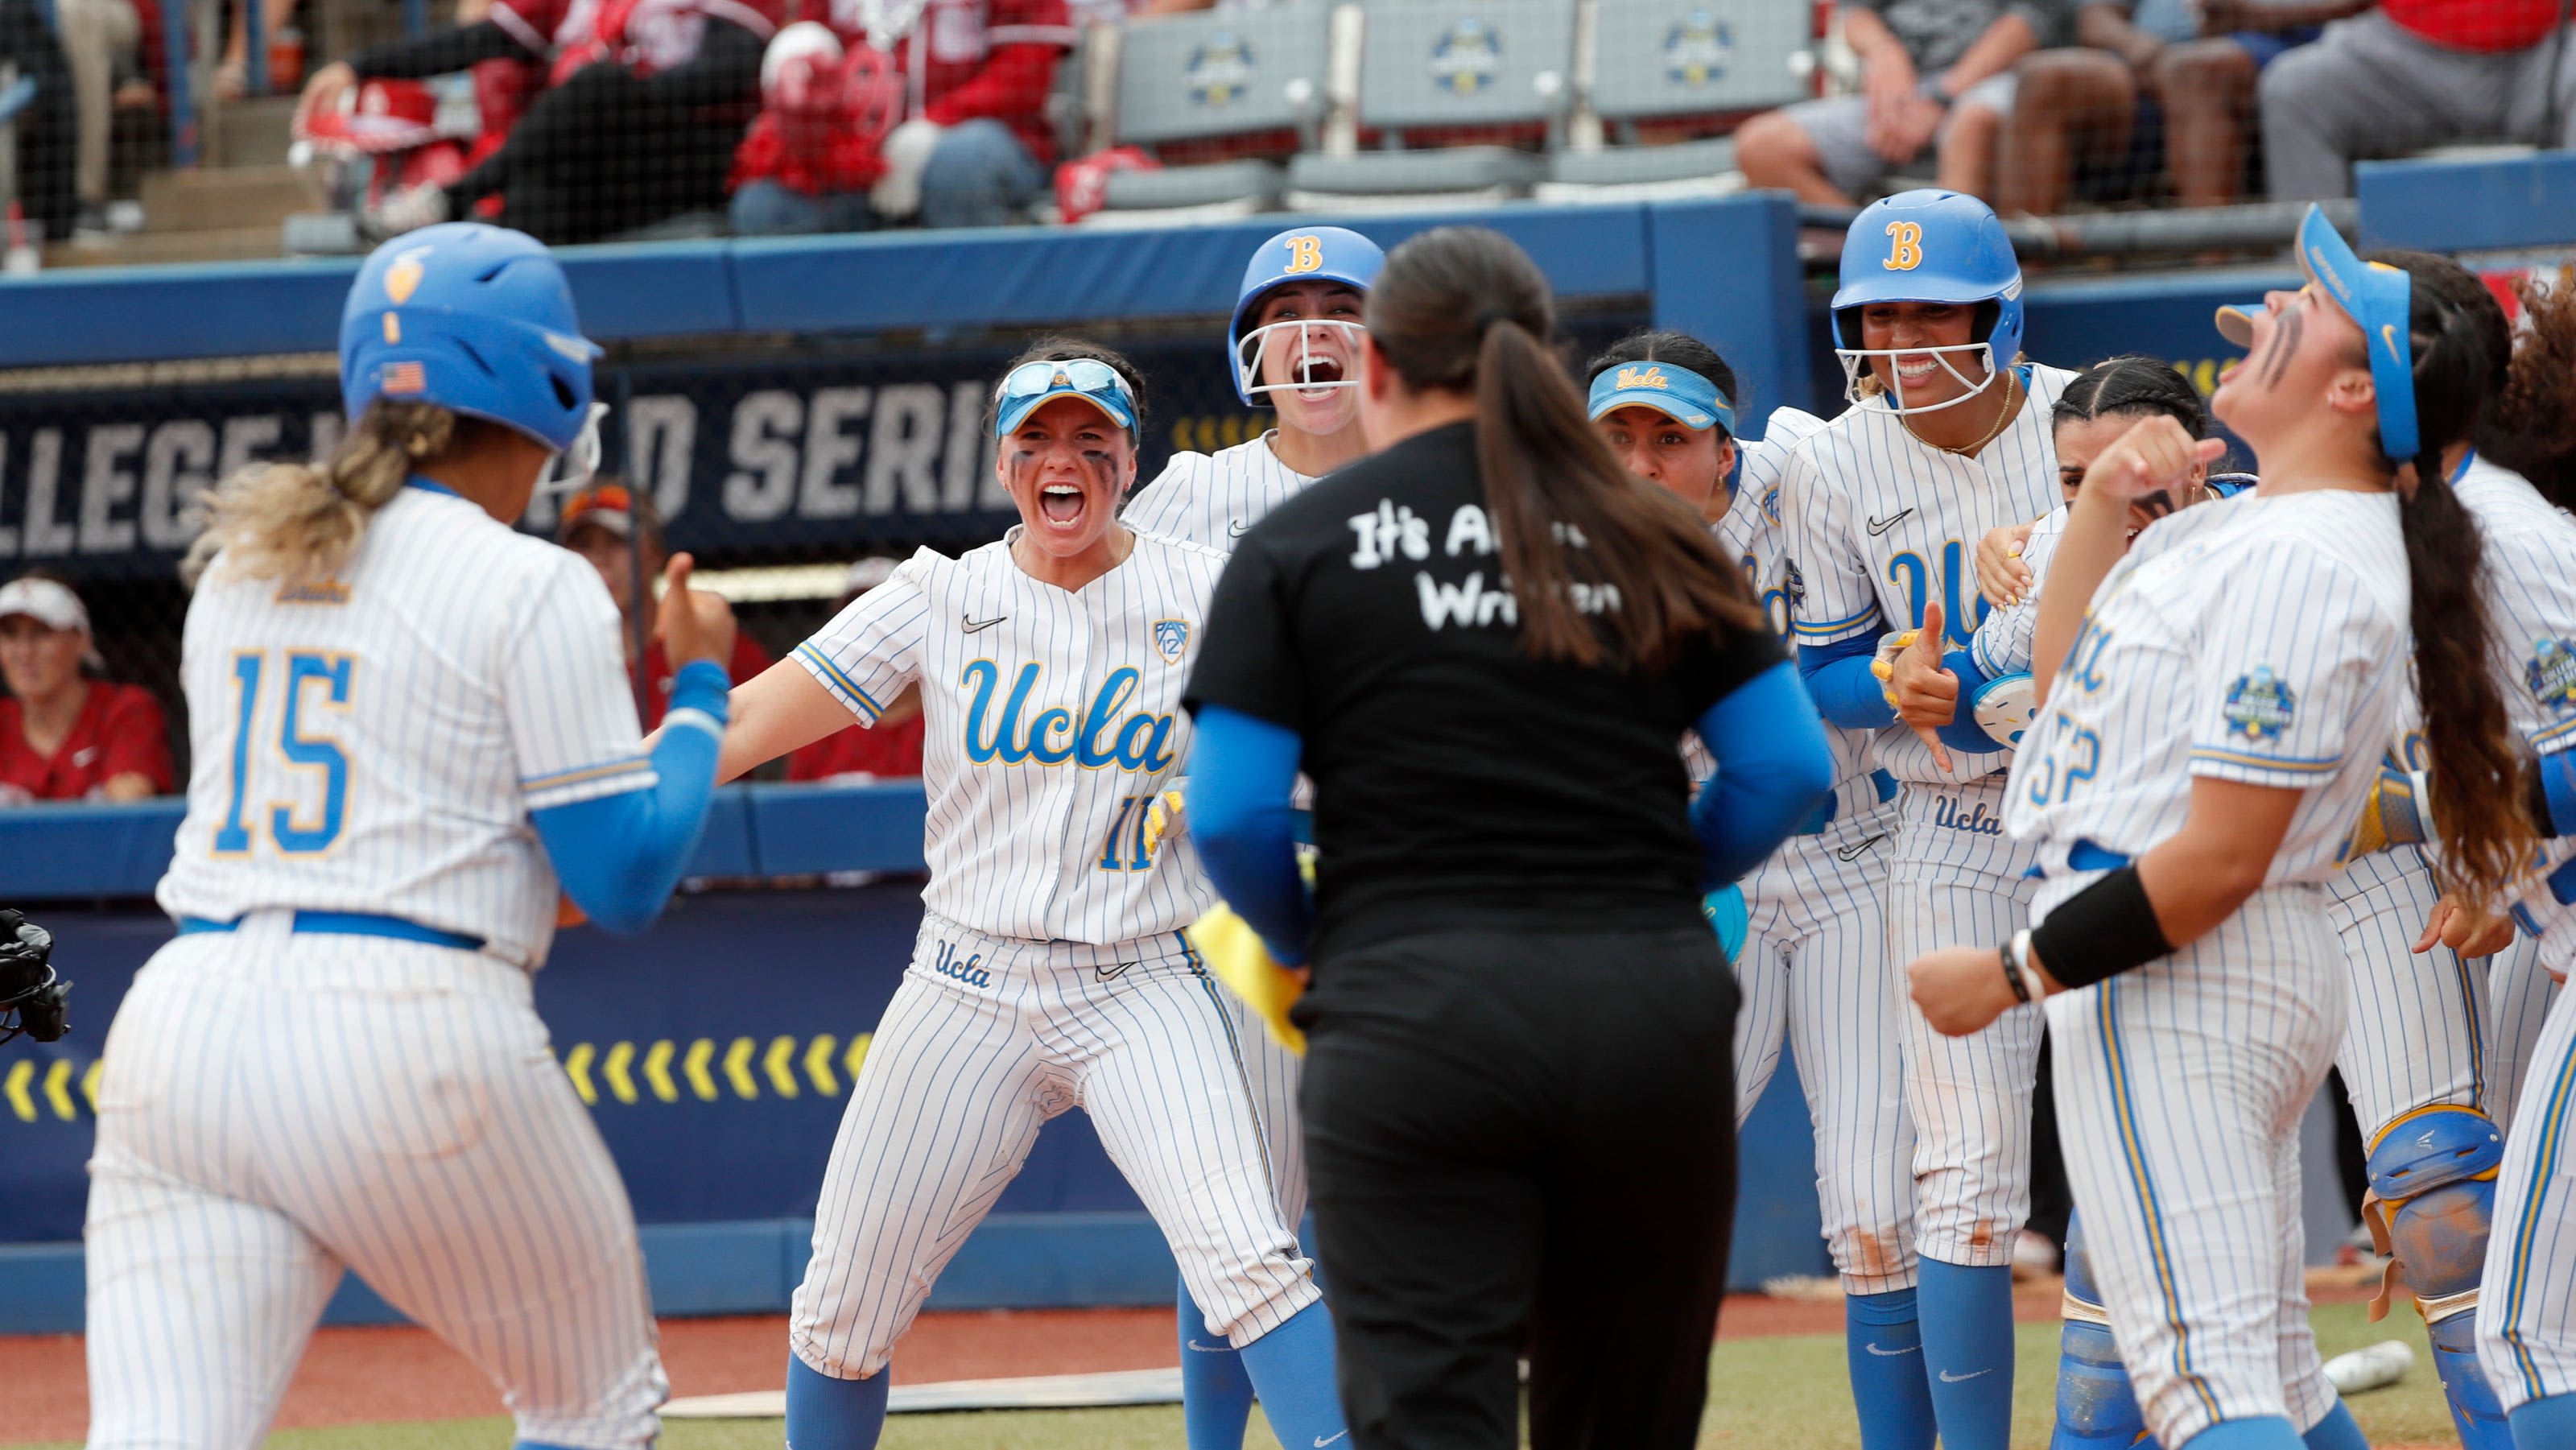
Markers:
point(1171, 639)
point(2551, 674)
point(2260, 705)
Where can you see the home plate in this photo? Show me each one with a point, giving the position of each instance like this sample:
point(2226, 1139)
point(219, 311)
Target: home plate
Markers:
point(1034, 1392)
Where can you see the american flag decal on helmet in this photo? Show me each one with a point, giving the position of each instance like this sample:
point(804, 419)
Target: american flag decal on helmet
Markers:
point(405, 377)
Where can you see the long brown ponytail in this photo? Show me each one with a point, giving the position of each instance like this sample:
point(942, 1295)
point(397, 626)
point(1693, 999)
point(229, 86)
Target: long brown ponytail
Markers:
point(2461, 349)
point(1462, 309)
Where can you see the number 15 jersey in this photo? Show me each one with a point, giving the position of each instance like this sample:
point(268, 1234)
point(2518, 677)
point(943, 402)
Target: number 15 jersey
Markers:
point(1051, 718)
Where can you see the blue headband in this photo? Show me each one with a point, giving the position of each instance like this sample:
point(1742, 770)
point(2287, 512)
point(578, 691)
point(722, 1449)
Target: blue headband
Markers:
point(1676, 392)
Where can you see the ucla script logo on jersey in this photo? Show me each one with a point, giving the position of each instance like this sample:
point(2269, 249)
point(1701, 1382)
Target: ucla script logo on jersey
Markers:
point(2551, 674)
point(1105, 733)
point(1171, 639)
point(2260, 705)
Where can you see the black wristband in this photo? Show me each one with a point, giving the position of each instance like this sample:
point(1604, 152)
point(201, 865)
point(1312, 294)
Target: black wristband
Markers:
point(2012, 972)
point(2101, 931)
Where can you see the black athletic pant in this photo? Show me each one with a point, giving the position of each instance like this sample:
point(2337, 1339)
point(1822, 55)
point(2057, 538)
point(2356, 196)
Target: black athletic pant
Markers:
point(1521, 1139)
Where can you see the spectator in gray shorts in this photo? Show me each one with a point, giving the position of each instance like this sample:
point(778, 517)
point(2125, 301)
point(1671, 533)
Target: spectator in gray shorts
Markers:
point(1934, 73)
point(2411, 75)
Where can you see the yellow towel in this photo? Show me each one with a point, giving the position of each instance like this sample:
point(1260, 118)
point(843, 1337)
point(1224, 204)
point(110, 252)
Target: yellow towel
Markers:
point(1236, 954)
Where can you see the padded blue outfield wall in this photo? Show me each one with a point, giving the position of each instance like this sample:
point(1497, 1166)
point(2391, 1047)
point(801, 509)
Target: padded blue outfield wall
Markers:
point(717, 1073)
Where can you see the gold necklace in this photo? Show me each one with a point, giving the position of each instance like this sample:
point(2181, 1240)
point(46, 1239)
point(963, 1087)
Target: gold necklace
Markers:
point(2003, 416)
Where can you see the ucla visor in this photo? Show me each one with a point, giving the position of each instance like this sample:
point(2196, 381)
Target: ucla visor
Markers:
point(2378, 298)
point(1031, 385)
point(1676, 392)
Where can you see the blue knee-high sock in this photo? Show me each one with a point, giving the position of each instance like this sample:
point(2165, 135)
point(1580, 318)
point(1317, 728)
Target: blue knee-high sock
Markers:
point(2266, 1432)
point(1966, 1315)
point(1293, 1371)
point(2544, 1423)
point(828, 1414)
point(2336, 1431)
point(1216, 1395)
point(1885, 1346)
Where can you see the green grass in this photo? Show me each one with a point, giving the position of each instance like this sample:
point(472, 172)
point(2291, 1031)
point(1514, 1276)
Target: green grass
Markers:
point(1784, 1391)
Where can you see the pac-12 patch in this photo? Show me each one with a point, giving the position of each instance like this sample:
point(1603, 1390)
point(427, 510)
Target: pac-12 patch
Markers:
point(1171, 639)
point(2260, 705)
point(2551, 674)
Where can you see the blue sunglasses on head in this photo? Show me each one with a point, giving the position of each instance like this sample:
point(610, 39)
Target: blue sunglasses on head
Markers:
point(1032, 384)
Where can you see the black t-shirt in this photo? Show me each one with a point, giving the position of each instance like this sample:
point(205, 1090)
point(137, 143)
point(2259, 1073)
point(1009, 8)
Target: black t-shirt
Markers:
point(1455, 776)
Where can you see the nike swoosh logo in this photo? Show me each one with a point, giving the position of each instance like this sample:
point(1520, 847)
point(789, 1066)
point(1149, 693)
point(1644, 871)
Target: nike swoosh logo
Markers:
point(1892, 1353)
point(1236, 529)
point(1880, 526)
point(978, 626)
point(1852, 851)
point(1211, 1348)
point(1948, 1378)
point(1323, 1440)
point(2388, 334)
point(1105, 973)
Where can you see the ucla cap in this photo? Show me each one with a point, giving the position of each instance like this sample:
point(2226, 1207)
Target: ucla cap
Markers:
point(1676, 392)
point(2378, 298)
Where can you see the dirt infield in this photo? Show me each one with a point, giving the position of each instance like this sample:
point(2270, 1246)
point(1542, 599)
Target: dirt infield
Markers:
point(364, 1376)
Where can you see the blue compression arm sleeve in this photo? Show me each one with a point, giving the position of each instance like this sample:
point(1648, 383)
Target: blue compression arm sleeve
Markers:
point(1772, 768)
point(1242, 772)
point(2558, 778)
point(619, 856)
point(1963, 734)
point(1839, 680)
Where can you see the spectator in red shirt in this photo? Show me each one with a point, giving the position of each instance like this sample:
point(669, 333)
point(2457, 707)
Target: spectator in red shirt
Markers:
point(887, 750)
point(620, 532)
point(2412, 74)
point(64, 736)
point(970, 146)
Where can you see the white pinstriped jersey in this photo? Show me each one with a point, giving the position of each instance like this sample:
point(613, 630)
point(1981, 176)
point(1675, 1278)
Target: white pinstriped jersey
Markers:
point(2003, 641)
point(1881, 523)
point(1211, 498)
point(2257, 640)
point(374, 743)
point(1051, 718)
point(2531, 559)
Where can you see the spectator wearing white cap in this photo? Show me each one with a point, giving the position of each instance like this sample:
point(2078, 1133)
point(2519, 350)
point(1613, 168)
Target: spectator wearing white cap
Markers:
point(888, 750)
point(64, 735)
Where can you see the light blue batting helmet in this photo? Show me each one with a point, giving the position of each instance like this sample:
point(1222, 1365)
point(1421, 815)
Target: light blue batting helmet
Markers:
point(477, 319)
point(1299, 254)
point(1928, 246)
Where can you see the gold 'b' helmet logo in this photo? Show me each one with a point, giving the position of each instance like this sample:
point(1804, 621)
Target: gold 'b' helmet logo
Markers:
point(1905, 246)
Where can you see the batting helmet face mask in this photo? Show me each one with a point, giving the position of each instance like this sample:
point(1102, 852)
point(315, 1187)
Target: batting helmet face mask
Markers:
point(1928, 246)
point(479, 320)
point(1321, 352)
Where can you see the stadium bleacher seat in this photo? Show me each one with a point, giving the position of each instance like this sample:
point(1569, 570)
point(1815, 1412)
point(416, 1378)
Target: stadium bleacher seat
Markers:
point(1647, 61)
point(1210, 76)
point(1447, 65)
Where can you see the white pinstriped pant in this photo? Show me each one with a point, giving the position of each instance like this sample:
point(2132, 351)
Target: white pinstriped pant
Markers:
point(1954, 884)
point(274, 1106)
point(2180, 1086)
point(2520, 993)
point(1815, 965)
point(986, 1039)
point(2417, 1032)
point(2527, 1297)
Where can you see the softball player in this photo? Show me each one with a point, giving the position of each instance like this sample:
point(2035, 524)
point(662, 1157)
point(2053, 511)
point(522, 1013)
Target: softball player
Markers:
point(1948, 437)
point(2095, 1405)
point(1812, 958)
point(1294, 345)
point(1051, 971)
point(2194, 774)
point(335, 1063)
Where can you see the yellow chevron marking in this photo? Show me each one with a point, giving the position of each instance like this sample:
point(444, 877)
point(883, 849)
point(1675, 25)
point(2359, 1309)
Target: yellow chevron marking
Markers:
point(701, 1052)
point(738, 1067)
point(89, 1083)
point(657, 1072)
point(58, 1088)
point(16, 1089)
point(577, 1066)
point(776, 1062)
point(857, 1054)
point(818, 1064)
point(620, 1057)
